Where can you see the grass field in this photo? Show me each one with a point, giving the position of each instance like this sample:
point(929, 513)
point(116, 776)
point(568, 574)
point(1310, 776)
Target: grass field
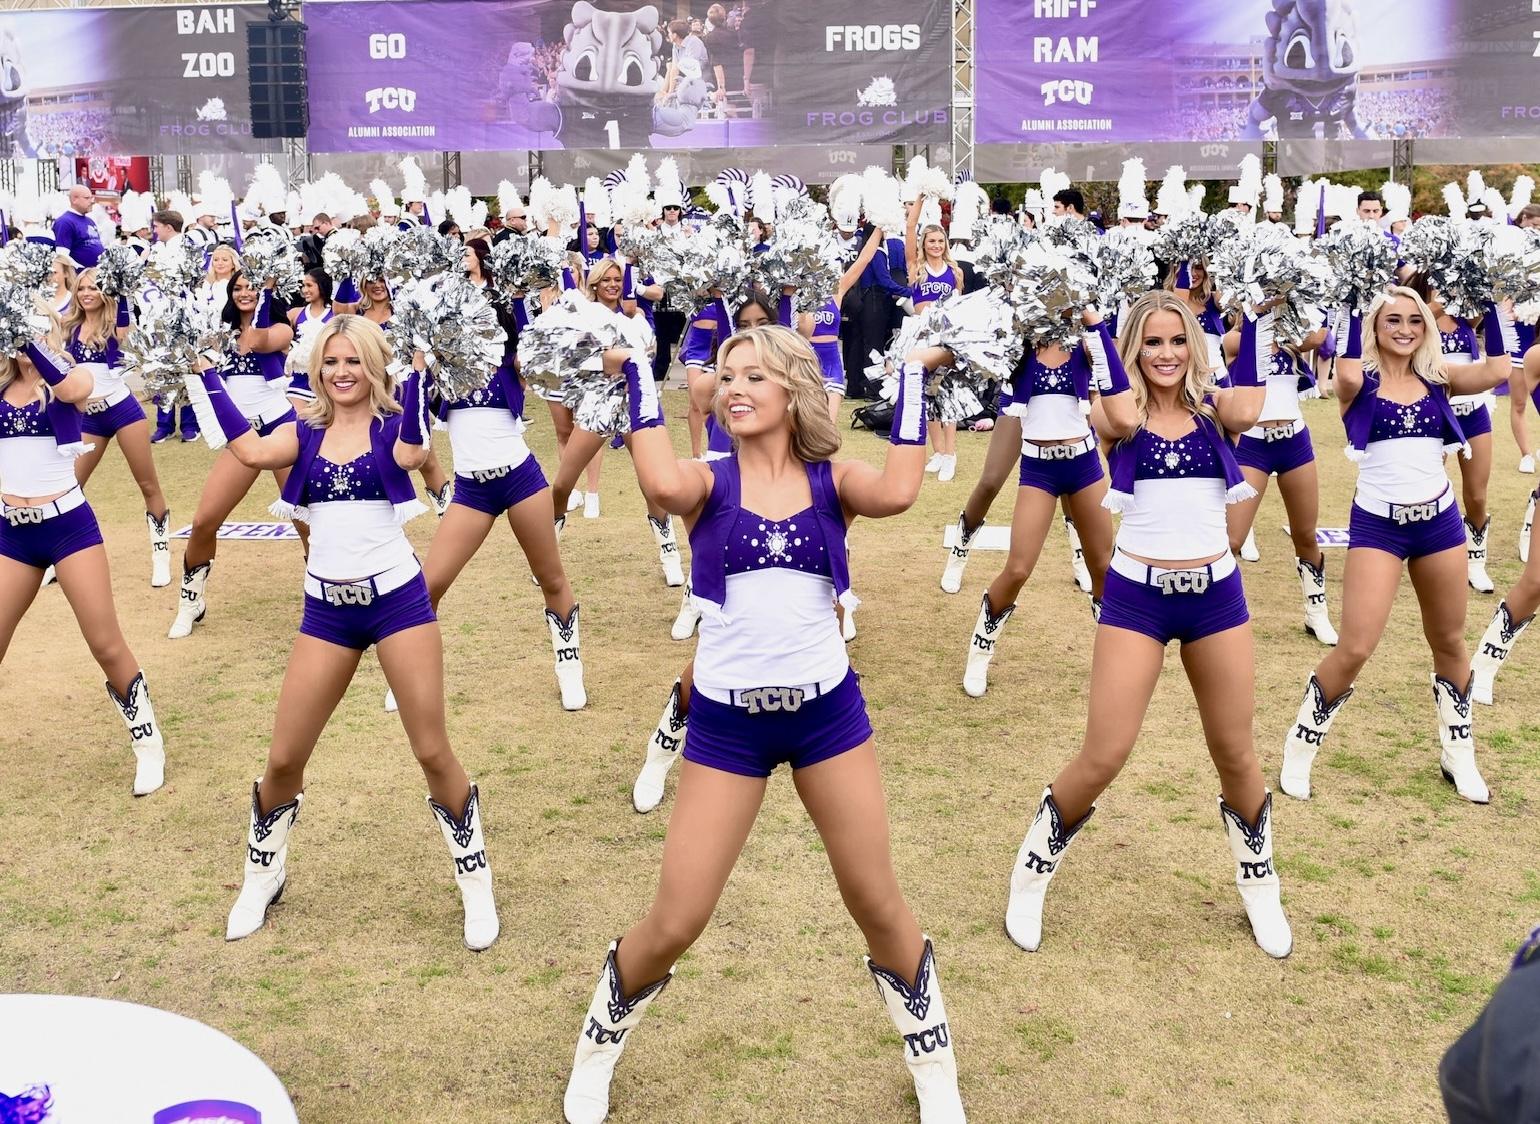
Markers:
point(1148, 1001)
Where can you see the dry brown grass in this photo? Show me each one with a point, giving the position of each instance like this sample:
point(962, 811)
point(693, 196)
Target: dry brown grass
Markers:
point(1148, 1000)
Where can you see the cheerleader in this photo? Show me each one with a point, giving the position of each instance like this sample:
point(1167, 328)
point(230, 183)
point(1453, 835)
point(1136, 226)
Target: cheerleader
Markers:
point(767, 529)
point(254, 375)
point(314, 310)
point(1394, 386)
point(346, 470)
point(46, 522)
point(1279, 445)
point(1516, 611)
point(561, 414)
point(497, 475)
point(62, 279)
point(1172, 578)
point(91, 332)
point(1457, 340)
point(704, 333)
point(1053, 391)
point(605, 283)
point(933, 276)
point(821, 327)
point(374, 305)
point(1190, 282)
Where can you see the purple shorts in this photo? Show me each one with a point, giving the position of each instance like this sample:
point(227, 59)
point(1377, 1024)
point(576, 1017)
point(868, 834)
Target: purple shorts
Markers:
point(44, 544)
point(106, 422)
point(1064, 476)
point(732, 739)
point(359, 626)
point(832, 364)
point(299, 387)
point(1408, 540)
point(268, 428)
point(1475, 423)
point(1164, 617)
point(495, 494)
point(1278, 456)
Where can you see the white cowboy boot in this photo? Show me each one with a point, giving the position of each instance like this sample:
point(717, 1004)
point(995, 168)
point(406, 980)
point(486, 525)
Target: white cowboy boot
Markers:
point(668, 549)
point(1458, 760)
point(160, 549)
point(1306, 736)
point(569, 659)
point(1249, 551)
point(689, 616)
point(441, 498)
point(1037, 860)
point(1256, 878)
point(981, 646)
point(1312, 583)
point(1524, 529)
point(473, 874)
point(1495, 646)
point(957, 556)
point(192, 607)
point(611, 1017)
point(947, 470)
point(1476, 556)
point(143, 733)
point(919, 1016)
point(1077, 556)
point(267, 856)
point(662, 751)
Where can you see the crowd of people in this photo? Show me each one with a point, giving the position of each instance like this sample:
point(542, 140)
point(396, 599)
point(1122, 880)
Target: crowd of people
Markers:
point(1154, 425)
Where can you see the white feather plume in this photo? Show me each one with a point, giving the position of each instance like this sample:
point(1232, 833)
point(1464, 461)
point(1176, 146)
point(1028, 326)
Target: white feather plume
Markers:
point(1272, 194)
point(1307, 204)
point(596, 203)
point(1523, 192)
point(1398, 199)
point(1475, 187)
point(1131, 187)
point(1250, 181)
point(385, 199)
point(1496, 205)
point(1171, 199)
point(508, 197)
point(762, 197)
point(1195, 195)
point(845, 200)
point(880, 200)
point(969, 205)
point(636, 172)
point(1051, 183)
point(265, 191)
point(1454, 199)
point(414, 183)
point(668, 189)
point(540, 194)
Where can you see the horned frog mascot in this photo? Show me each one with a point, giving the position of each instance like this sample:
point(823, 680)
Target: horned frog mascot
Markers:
point(13, 96)
point(1310, 65)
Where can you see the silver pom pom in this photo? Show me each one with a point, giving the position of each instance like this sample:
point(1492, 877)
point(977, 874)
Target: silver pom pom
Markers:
point(422, 252)
point(977, 328)
point(455, 327)
point(29, 264)
point(175, 267)
point(1362, 262)
point(361, 257)
point(119, 272)
point(1265, 262)
point(564, 345)
point(804, 256)
point(1513, 264)
point(1125, 267)
point(267, 254)
point(526, 263)
point(21, 318)
point(168, 343)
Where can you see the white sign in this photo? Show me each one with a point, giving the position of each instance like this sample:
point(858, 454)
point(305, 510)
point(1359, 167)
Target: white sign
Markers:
point(251, 532)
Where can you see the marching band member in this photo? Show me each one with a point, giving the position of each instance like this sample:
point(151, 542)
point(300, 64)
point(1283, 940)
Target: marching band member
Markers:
point(767, 529)
point(46, 522)
point(1394, 386)
point(91, 332)
point(345, 467)
point(1172, 578)
point(255, 382)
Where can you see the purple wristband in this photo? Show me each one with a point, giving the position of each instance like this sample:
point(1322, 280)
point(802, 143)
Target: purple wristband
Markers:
point(413, 425)
point(232, 423)
point(347, 292)
point(48, 363)
point(264, 314)
point(124, 319)
point(909, 420)
point(646, 412)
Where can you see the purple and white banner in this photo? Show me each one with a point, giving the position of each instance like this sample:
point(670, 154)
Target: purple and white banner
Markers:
point(1113, 71)
point(126, 81)
point(478, 75)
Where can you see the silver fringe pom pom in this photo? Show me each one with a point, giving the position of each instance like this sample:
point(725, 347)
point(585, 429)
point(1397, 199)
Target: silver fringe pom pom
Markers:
point(22, 320)
point(29, 264)
point(175, 267)
point(455, 326)
point(119, 272)
point(421, 252)
point(169, 342)
point(268, 254)
point(1362, 262)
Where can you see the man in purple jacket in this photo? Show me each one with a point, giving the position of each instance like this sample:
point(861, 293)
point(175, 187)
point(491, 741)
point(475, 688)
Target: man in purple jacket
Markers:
point(75, 232)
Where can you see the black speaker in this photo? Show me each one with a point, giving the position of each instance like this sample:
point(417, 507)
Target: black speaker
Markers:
point(280, 85)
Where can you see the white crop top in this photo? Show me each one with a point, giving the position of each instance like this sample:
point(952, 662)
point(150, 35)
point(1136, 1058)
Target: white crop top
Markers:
point(486, 438)
point(779, 631)
point(352, 539)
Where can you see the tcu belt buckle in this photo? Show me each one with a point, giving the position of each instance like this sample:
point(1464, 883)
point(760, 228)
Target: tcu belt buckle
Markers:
point(1413, 512)
point(20, 516)
point(1182, 581)
point(763, 700)
point(1277, 433)
point(1060, 452)
point(97, 406)
point(349, 593)
point(487, 475)
point(1464, 409)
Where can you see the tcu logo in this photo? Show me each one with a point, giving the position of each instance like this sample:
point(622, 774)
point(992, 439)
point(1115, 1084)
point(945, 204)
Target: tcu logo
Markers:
point(1496, 651)
point(391, 97)
point(666, 742)
point(767, 699)
point(1039, 865)
point(17, 516)
point(1459, 731)
point(983, 643)
point(471, 863)
point(143, 730)
point(1309, 736)
point(98, 406)
point(1066, 90)
point(1263, 869)
point(486, 475)
point(1413, 513)
point(1211, 150)
point(261, 858)
point(929, 1040)
point(564, 654)
point(602, 1037)
point(1277, 433)
point(1182, 581)
point(1058, 452)
point(349, 595)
